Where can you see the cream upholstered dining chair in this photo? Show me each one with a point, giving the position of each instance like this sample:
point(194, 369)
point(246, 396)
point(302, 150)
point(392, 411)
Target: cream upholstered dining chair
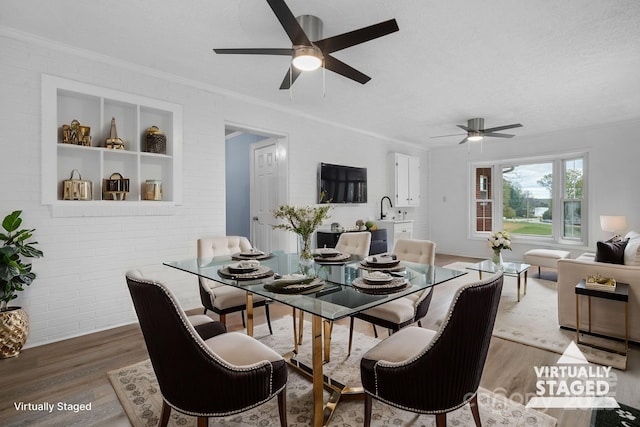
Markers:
point(202, 370)
point(407, 310)
point(352, 242)
point(219, 298)
point(435, 372)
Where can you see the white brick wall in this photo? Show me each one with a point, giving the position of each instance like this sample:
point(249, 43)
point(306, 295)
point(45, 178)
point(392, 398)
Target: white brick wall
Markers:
point(80, 286)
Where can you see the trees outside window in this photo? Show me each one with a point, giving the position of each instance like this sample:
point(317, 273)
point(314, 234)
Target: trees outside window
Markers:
point(534, 204)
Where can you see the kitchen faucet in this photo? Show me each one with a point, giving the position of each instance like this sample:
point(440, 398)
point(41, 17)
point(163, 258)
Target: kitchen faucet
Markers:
point(382, 214)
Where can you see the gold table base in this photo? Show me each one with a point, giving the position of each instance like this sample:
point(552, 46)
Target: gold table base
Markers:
point(321, 413)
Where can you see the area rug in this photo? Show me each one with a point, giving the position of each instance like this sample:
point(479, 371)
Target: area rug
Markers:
point(534, 320)
point(623, 416)
point(138, 392)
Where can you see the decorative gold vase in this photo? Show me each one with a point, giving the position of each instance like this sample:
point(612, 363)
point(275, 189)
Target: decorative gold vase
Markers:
point(14, 331)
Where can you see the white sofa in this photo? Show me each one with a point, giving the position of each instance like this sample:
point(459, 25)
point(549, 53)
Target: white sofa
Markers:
point(607, 317)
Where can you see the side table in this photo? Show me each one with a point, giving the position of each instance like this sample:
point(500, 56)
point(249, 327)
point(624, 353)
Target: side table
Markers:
point(620, 294)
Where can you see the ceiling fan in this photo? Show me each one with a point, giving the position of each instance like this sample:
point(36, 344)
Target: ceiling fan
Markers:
point(476, 131)
point(308, 51)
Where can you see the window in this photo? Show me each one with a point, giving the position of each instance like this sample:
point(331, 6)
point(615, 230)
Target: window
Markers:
point(572, 198)
point(527, 199)
point(538, 198)
point(483, 199)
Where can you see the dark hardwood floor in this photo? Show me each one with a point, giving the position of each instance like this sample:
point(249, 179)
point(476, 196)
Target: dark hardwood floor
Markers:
point(74, 371)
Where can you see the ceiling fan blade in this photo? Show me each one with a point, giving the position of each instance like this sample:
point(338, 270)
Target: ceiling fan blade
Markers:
point(337, 66)
point(352, 38)
point(464, 127)
point(453, 134)
point(498, 135)
point(516, 125)
point(256, 51)
point(463, 141)
point(290, 78)
point(289, 23)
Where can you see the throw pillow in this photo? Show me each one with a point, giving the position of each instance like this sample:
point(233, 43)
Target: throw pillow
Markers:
point(611, 252)
point(632, 235)
point(632, 251)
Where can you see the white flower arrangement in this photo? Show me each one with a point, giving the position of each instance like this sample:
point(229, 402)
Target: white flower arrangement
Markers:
point(500, 240)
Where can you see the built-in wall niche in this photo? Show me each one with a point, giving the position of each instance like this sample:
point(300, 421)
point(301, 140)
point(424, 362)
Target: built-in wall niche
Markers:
point(94, 107)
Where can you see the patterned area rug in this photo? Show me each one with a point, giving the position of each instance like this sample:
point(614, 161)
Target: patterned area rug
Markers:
point(137, 389)
point(534, 320)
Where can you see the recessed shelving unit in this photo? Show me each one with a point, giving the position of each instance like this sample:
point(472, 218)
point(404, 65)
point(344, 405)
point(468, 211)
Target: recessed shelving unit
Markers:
point(66, 100)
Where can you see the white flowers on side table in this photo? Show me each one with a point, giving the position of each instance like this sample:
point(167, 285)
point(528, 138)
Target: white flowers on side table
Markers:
point(498, 241)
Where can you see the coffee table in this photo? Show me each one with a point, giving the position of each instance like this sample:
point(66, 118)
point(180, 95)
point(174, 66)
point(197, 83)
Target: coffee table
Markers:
point(514, 269)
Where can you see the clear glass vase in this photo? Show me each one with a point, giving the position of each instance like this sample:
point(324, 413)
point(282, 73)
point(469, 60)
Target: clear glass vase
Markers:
point(305, 253)
point(497, 258)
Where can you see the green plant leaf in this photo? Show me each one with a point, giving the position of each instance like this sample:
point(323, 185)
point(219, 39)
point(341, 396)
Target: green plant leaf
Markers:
point(12, 221)
point(31, 252)
point(9, 270)
point(22, 235)
point(14, 272)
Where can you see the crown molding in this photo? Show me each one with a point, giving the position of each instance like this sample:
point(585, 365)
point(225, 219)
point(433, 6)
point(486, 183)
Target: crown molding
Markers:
point(26, 37)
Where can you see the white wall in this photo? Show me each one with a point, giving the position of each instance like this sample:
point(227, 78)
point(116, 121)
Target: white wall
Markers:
point(613, 154)
point(80, 286)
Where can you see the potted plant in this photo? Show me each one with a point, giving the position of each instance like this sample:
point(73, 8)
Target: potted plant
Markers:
point(303, 221)
point(15, 273)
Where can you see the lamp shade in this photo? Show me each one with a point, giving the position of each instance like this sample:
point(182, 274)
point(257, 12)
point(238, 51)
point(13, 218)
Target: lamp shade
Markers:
point(613, 223)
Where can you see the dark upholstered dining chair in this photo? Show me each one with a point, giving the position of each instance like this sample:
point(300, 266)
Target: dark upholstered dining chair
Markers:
point(436, 372)
point(200, 371)
point(407, 310)
point(219, 298)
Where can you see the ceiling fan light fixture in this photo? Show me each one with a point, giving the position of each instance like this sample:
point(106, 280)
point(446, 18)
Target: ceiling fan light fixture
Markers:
point(307, 58)
point(474, 136)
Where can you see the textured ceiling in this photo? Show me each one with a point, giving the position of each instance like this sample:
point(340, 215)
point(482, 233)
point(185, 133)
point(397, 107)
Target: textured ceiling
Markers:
point(547, 64)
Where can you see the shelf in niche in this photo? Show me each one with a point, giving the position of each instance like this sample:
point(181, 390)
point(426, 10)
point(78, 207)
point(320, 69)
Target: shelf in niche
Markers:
point(65, 100)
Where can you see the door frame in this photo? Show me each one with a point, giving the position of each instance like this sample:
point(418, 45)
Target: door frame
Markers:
point(282, 163)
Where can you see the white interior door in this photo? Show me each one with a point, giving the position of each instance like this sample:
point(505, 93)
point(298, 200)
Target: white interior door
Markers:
point(264, 194)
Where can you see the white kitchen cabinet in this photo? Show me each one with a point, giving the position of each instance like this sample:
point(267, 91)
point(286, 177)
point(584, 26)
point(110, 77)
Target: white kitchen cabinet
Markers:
point(404, 179)
point(65, 100)
point(396, 230)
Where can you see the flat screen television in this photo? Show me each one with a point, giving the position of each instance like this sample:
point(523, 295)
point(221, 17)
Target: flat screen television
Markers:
point(341, 184)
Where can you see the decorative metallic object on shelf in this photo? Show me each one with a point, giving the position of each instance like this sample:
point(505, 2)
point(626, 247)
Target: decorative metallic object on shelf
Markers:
point(77, 189)
point(156, 141)
point(153, 189)
point(115, 187)
point(113, 141)
point(76, 134)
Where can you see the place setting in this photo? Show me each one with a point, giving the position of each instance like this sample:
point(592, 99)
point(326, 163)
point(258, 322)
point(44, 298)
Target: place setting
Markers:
point(327, 256)
point(379, 282)
point(245, 270)
point(382, 262)
point(295, 283)
point(253, 253)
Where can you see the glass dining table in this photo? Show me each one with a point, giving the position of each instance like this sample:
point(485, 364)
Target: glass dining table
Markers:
point(336, 299)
